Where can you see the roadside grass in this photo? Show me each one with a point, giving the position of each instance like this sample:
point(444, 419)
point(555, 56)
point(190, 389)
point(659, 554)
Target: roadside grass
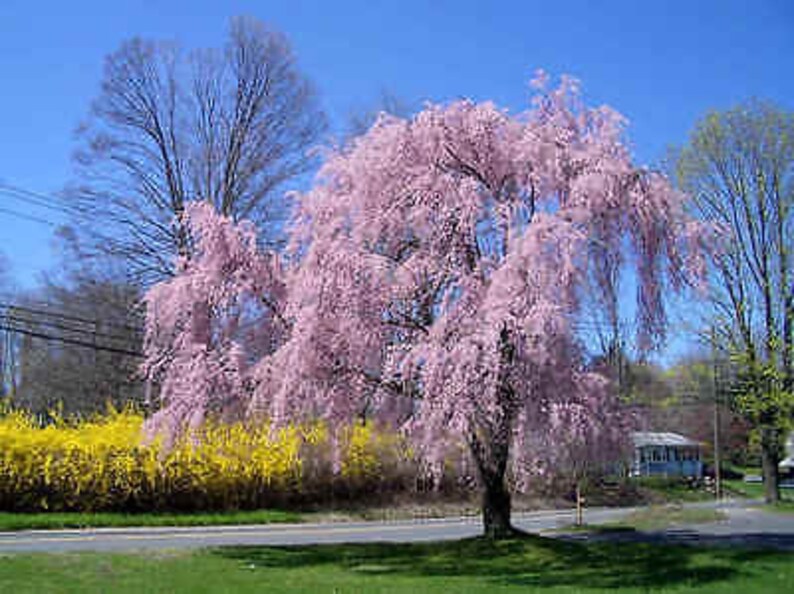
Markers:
point(739, 488)
point(14, 521)
point(58, 520)
point(661, 517)
point(785, 506)
point(756, 491)
point(529, 564)
point(652, 518)
point(672, 490)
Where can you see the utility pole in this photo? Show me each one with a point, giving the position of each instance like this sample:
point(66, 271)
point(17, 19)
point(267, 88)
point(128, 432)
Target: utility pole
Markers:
point(715, 394)
point(3, 356)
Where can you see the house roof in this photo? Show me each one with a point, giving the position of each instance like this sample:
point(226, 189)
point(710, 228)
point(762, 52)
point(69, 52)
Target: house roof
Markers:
point(644, 438)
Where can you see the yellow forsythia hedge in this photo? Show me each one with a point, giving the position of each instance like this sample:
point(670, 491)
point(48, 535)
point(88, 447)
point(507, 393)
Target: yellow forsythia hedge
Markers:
point(103, 464)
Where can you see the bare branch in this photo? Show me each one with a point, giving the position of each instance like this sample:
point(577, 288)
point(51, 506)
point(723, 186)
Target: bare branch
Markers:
point(231, 126)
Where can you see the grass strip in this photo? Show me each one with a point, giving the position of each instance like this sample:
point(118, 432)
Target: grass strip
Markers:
point(661, 517)
point(61, 520)
point(651, 519)
point(739, 488)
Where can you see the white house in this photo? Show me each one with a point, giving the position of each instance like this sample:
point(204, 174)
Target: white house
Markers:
point(786, 467)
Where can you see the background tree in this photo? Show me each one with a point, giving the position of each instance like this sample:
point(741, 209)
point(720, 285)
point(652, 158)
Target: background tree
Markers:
point(361, 120)
point(640, 385)
point(78, 338)
point(436, 276)
point(228, 126)
point(738, 167)
point(588, 451)
point(699, 395)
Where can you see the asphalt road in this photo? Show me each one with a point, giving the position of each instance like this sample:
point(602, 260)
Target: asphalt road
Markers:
point(123, 539)
point(744, 525)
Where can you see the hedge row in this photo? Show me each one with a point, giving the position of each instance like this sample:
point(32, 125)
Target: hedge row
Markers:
point(104, 464)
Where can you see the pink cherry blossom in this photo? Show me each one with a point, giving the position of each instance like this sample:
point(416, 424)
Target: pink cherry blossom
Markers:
point(433, 281)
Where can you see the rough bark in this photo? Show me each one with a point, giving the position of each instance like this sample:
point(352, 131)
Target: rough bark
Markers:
point(492, 459)
point(496, 509)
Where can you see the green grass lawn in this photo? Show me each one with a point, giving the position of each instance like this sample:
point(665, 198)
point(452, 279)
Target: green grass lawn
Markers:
point(671, 490)
point(531, 564)
point(657, 518)
point(53, 520)
point(739, 488)
point(785, 506)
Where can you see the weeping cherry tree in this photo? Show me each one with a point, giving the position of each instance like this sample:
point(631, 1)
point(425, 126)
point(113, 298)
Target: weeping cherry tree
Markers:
point(433, 282)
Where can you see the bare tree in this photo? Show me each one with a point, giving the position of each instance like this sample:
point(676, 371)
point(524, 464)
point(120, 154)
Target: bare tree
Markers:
point(76, 347)
point(229, 125)
point(739, 169)
point(77, 337)
point(699, 406)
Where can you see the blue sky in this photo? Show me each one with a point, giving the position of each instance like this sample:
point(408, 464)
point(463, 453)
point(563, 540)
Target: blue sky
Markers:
point(662, 64)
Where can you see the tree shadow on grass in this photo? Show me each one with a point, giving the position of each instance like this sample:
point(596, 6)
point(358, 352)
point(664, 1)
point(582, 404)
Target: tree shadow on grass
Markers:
point(528, 560)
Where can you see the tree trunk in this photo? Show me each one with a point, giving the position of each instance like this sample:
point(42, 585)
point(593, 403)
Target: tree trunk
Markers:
point(496, 505)
point(496, 509)
point(493, 454)
point(770, 458)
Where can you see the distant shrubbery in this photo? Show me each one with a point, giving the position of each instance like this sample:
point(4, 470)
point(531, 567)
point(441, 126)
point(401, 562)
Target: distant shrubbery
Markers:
point(103, 464)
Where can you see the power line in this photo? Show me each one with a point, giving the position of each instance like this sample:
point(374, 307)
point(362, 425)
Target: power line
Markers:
point(44, 200)
point(36, 199)
point(72, 341)
point(97, 334)
point(29, 200)
point(68, 317)
point(29, 217)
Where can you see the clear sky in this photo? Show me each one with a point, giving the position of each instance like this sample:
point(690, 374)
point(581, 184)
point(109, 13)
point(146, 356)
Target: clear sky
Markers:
point(662, 64)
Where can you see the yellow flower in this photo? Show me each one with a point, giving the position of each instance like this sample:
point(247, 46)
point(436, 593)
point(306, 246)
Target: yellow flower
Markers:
point(102, 463)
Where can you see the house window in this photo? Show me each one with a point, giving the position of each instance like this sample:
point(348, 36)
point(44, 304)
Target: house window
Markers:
point(653, 454)
point(689, 454)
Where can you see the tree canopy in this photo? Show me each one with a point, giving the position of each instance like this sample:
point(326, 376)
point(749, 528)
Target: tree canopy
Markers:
point(738, 168)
